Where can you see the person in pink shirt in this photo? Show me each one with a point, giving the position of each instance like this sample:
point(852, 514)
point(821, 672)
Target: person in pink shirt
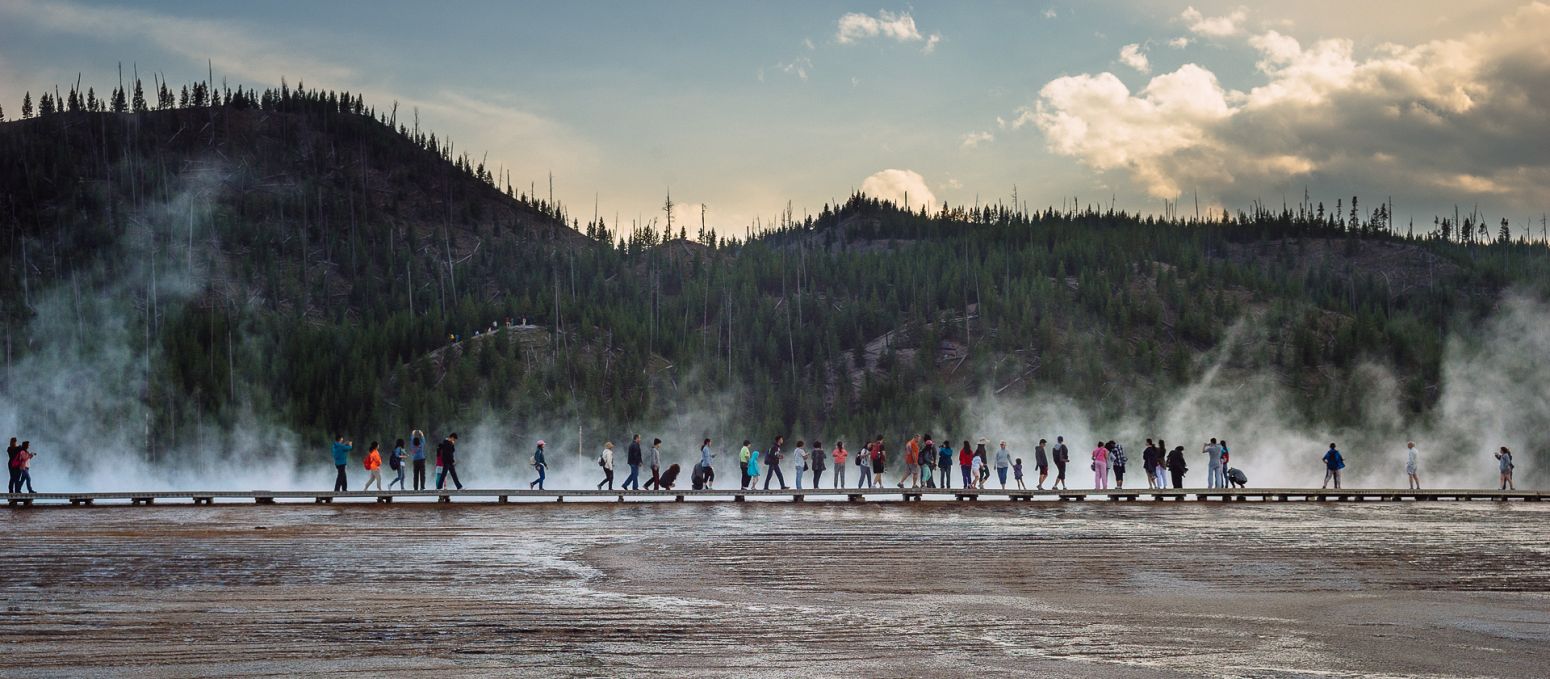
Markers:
point(840, 456)
point(1101, 467)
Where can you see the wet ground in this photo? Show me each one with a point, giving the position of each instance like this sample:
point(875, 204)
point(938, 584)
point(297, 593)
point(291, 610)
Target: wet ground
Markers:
point(779, 589)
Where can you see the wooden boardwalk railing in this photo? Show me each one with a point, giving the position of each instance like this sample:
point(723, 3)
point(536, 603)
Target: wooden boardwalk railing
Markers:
point(511, 496)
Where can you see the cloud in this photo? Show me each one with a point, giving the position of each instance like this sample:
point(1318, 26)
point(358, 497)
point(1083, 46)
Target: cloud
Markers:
point(974, 139)
point(1453, 118)
point(799, 67)
point(1132, 56)
point(903, 187)
point(1049, 13)
point(855, 27)
point(1214, 27)
point(1179, 43)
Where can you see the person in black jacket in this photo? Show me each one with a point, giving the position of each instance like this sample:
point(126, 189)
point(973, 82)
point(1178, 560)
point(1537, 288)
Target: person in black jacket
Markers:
point(1149, 463)
point(772, 460)
point(1062, 456)
point(1176, 466)
point(633, 458)
point(448, 451)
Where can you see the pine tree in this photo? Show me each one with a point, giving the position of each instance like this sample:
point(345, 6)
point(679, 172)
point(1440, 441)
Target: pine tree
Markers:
point(139, 98)
point(27, 106)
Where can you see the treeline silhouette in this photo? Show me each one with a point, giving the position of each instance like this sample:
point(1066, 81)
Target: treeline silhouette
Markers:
point(336, 263)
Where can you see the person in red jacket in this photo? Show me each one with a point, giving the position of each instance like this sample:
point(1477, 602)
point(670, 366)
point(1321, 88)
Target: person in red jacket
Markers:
point(373, 468)
point(965, 461)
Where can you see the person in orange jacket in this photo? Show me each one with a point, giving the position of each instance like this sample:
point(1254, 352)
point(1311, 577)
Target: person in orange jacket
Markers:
point(373, 468)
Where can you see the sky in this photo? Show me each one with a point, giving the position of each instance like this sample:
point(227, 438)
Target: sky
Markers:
point(750, 109)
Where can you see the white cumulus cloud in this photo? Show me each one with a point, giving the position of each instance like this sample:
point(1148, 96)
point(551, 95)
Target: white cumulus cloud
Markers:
point(900, 27)
point(903, 187)
point(974, 139)
point(1132, 56)
point(1224, 26)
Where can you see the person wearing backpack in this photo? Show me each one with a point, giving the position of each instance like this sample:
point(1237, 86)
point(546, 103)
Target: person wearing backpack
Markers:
point(818, 462)
point(1117, 462)
point(417, 457)
point(772, 460)
point(840, 456)
point(396, 463)
point(1176, 466)
point(373, 464)
point(341, 452)
point(606, 461)
point(537, 460)
point(928, 462)
point(1333, 463)
point(864, 464)
point(446, 453)
point(1062, 456)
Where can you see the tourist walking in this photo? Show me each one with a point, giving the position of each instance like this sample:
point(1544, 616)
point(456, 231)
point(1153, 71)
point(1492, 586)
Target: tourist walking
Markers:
point(911, 462)
point(977, 472)
point(341, 453)
point(15, 472)
point(1410, 466)
point(928, 462)
point(654, 461)
point(396, 463)
point(801, 461)
point(944, 461)
point(707, 473)
point(982, 477)
point(1041, 462)
point(1149, 463)
point(606, 461)
point(22, 463)
point(1062, 456)
point(1333, 463)
point(1176, 466)
point(772, 459)
point(1213, 452)
point(879, 460)
point(1003, 463)
point(818, 462)
point(752, 470)
point(1100, 467)
point(966, 464)
point(447, 453)
point(1017, 473)
point(743, 456)
point(1162, 464)
point(373, 464)
point(417, 457)
point(864, 466)
point(1117, 462)
point(537, 461)
point(840, 456)
point(633, 458)
point(1503, 457)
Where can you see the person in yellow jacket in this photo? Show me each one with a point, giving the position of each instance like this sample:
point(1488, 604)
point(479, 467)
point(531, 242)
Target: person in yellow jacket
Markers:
point(373, 468)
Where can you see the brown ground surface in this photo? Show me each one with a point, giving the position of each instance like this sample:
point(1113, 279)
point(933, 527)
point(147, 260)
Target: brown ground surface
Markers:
point(777, 589)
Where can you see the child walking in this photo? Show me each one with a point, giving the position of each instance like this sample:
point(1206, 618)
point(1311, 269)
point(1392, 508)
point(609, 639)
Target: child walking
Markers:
point(1017, 471)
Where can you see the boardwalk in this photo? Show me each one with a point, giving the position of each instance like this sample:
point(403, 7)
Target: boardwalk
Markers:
point(518, 496)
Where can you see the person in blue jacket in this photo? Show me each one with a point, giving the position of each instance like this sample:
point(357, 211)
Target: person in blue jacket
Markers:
point(944, 461)
point(538, 464)
point(341, 458)
point(1333, 463)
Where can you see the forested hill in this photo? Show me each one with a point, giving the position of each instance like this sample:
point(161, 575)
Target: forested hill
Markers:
point(299, 255)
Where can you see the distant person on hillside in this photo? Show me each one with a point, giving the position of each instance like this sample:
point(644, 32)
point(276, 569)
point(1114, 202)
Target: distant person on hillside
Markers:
point(341, 458)
point(1176, 466)
point(841, 456)
point(539, 465)
point(1003, 463)
point(23, 466)
point(633, 458)
point(606, 461)
point(743, 456)
point(373, 465)
point(800, 468)
point(966, 464)
point(396, 463)
point(417, 457)
point(1117, 462)
point(1062, 458)
point(1162, 464)
point(654, 460)
point(1503, 457)
point(772, 460)
point(1017, 473)
point(944, 462)
point(15, 472)
point(819, 462)
point(1410, 466)
point(1041, 462)
point(1333, 463)
point(447, 453)
point(1100, 467)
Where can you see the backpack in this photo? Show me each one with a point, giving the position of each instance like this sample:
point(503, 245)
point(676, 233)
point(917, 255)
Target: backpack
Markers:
point(393, 461)
point(600, 461)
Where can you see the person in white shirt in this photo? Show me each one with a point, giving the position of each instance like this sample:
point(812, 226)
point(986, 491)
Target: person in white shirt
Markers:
point(1410, 466)
point(606, 461)
point(801, 465)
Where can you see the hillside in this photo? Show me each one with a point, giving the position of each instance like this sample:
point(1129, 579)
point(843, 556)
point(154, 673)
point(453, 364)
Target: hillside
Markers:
point(302, 260)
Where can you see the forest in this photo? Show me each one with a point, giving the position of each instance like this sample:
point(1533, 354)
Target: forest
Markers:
point(217, 252)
